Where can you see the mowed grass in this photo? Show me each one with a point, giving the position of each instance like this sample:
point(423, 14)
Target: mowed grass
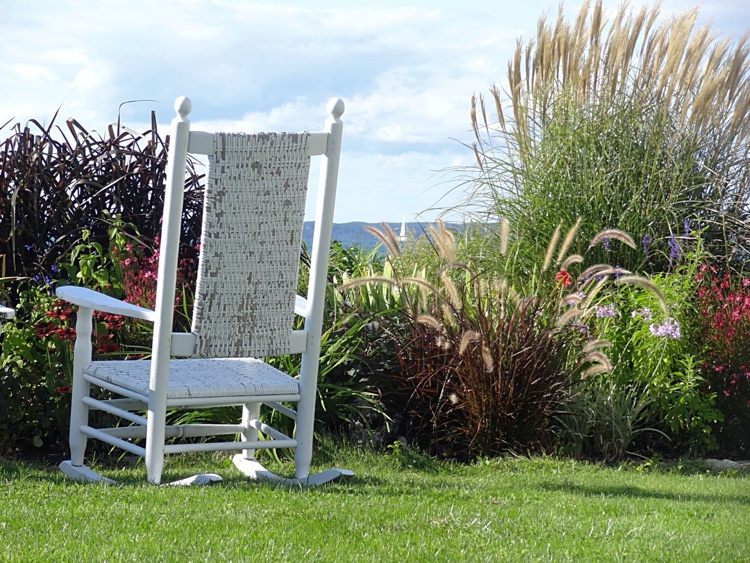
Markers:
point(399, 507)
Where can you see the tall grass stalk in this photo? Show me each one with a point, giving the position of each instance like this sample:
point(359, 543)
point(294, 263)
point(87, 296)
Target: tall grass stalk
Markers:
point(634, 123)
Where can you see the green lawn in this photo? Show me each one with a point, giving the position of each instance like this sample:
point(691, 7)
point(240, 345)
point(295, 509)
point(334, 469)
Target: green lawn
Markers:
point(399, 507)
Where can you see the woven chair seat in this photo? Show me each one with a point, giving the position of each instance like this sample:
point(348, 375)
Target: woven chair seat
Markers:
point(230, 377)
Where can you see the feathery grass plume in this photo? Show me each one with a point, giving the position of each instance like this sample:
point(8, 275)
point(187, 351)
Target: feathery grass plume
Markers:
point(598, 358)
point(476, 155)
point(443, 343)
point(444, 239)
point(612, 271)
point(498, 105)
point(504, 227)
point(467, 338)
point(551, 248)
point(595, 369)
point(429, 320)
point(489, 363)
point(450, 288)
point(421, 282)
point(567, 316)
point(473, 115)
point(592, 293)
point(568, 240)
point(448, 314)
point(648, 284)
point(592, 271)
point(387, 237)
point(613, 234)
point(570, 260)
point(595, 344)
point(366, 280)
point(570, 300)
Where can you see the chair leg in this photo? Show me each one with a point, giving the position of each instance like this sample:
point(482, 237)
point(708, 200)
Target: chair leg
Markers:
point(77, 439)
point(304, 436)
point(154, 448)
point(79, 416)
point(250, 411)
point(155, 435)
point(79, 412)
point(305, 417)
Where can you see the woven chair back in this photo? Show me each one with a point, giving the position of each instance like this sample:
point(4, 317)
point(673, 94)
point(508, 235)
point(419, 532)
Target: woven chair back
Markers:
point(250, 246)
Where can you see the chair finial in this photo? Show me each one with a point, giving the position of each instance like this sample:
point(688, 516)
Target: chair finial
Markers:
point(336, 108)
point(183, 106)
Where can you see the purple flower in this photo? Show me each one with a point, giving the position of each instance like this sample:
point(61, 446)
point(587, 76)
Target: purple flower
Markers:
point(644, 242)
point(582, 328)
point(604, 311)
point(674, 248)
point(644, 314)
point(669, 328)
point(605, 244)
point(686, 226)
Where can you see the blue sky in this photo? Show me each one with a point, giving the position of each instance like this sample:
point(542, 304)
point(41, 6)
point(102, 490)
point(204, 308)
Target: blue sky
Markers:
point(406, 69)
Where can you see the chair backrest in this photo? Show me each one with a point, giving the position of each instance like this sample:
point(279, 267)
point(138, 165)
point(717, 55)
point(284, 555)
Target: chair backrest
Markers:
point(254, 207)
point(250, 244)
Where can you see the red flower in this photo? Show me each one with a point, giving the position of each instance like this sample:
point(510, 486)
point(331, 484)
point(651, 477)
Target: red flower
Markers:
point(563, 278)
point(44, 329)
point(66, 332)
point(107, 347)
point(64, 389)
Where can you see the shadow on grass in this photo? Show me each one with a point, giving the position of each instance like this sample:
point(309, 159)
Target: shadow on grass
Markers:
point(641, 493)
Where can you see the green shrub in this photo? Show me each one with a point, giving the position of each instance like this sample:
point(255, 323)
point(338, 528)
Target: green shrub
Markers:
point(656, 357)
point(603, 419)
point(485, 361)
point(35, 373)
point(56, 183)
point(37, 347)
point(625, 124)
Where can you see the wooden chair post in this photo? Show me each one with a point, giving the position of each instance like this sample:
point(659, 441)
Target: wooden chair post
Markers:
point(165, 294)
point(316, 293)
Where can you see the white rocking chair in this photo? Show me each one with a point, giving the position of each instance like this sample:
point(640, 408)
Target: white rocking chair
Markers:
point(245, 301)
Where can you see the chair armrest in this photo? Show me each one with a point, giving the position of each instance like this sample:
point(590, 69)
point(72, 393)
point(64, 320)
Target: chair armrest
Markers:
point(84, 297)
point(300, 306)
point(6, 313)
